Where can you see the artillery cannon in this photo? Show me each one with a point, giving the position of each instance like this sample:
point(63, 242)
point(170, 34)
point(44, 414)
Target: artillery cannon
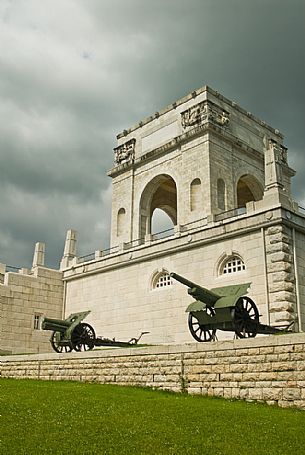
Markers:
point(224, 308)
point(70, 333)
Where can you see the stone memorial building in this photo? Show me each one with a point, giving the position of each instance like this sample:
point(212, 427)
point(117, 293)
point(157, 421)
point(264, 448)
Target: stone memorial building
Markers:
point(222, 177)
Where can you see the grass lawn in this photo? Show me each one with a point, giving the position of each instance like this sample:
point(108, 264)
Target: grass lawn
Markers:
point(46, 417)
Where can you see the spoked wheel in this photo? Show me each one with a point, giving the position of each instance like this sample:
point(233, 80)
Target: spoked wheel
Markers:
point(199, 331)
point(83, 337)
point(58, 345)
point(246, 318)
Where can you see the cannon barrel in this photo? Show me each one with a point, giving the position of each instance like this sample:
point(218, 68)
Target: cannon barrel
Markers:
point(57, 325)
point(196, 291)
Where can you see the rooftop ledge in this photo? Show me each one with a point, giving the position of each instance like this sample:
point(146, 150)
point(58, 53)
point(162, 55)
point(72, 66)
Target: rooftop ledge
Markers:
point(181, 237)
point(193, 95)
point(179, 140)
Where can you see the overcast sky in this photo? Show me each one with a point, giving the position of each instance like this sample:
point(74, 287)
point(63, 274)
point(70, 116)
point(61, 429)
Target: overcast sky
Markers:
point(74, 73)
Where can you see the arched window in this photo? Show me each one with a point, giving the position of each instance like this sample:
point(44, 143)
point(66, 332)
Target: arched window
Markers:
point(161, 280)
point(195, 195)
point(121, 221)
point(233, 264)
point(221, 194)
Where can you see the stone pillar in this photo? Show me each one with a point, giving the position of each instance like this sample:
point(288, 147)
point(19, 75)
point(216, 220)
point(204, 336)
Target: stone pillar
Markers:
point(276, 168)
point(98, 254)
point(39, 254)
point(70, 249)
point(275, 158)
point(280, 273)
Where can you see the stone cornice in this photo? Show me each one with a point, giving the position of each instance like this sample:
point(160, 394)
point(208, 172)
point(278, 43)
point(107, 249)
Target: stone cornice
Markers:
point(180, 140)
point(191, 96)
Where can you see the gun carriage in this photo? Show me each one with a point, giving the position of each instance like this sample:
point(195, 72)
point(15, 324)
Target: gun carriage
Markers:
point(225, 308)
point(72, 334)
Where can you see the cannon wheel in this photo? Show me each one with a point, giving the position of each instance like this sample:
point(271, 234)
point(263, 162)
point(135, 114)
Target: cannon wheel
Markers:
point(246, 318)
point(83, 337)
point(56, 343)
point(200, 331)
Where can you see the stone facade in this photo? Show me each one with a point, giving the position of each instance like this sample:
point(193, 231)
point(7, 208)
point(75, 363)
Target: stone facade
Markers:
point(222, 177)
point(269, 369)
point(25, 297)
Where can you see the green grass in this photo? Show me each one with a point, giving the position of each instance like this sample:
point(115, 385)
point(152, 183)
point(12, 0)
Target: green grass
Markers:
point(46, 417)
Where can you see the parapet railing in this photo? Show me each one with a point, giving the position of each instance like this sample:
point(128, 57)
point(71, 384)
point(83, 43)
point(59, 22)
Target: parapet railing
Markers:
point(165, 234)
point(11, 268)
point(230, 214)
point(98, 254)
point(301, 210)
point(194, 224)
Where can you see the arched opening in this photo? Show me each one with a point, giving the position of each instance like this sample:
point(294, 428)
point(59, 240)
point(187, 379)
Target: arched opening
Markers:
point(161, 194)
point(195, 195)
point(232, 264)
point(161, 279)
point(248, 189)
point(160, 222)
point(221, 194)
point(121, 221)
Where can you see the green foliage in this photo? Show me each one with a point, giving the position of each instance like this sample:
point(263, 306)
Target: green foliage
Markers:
point(48, 417)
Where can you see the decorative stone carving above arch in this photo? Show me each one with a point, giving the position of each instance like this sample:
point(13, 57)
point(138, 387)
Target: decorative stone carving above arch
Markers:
point(125, 153)
point(204, 112)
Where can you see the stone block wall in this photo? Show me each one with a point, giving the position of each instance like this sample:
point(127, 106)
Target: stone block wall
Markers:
point(118, 289)
point(123, 302)
point(281, 277)
point(23, 296)
point(268, 369)
point(300, 270)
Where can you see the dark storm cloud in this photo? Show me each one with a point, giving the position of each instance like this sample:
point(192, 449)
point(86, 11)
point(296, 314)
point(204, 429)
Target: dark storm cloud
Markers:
point(74, 73)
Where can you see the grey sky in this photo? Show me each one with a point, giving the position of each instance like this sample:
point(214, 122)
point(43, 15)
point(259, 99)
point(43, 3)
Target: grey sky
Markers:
point(74, 73)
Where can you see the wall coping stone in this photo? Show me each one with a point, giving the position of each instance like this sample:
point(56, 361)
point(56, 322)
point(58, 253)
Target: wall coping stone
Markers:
point(261, 341)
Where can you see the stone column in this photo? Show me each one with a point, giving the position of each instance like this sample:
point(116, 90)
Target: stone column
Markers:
point(70, 249)
point(280, 275)
point(276, 168)
point(39, 254)
point(275, 158)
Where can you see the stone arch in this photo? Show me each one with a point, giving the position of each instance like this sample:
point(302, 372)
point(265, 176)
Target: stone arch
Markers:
point(232, 264)
point(195, 195)
point(229, 262)
point(248, 189)
point(161, 193)
point(160, 279)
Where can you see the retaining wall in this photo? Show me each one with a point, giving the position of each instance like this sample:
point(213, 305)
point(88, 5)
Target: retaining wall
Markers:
point(270, 369)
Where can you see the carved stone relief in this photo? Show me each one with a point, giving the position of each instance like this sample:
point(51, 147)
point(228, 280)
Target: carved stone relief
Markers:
point(196, 115)
point(280, 152)
point(202, 113)
point(125, 152)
